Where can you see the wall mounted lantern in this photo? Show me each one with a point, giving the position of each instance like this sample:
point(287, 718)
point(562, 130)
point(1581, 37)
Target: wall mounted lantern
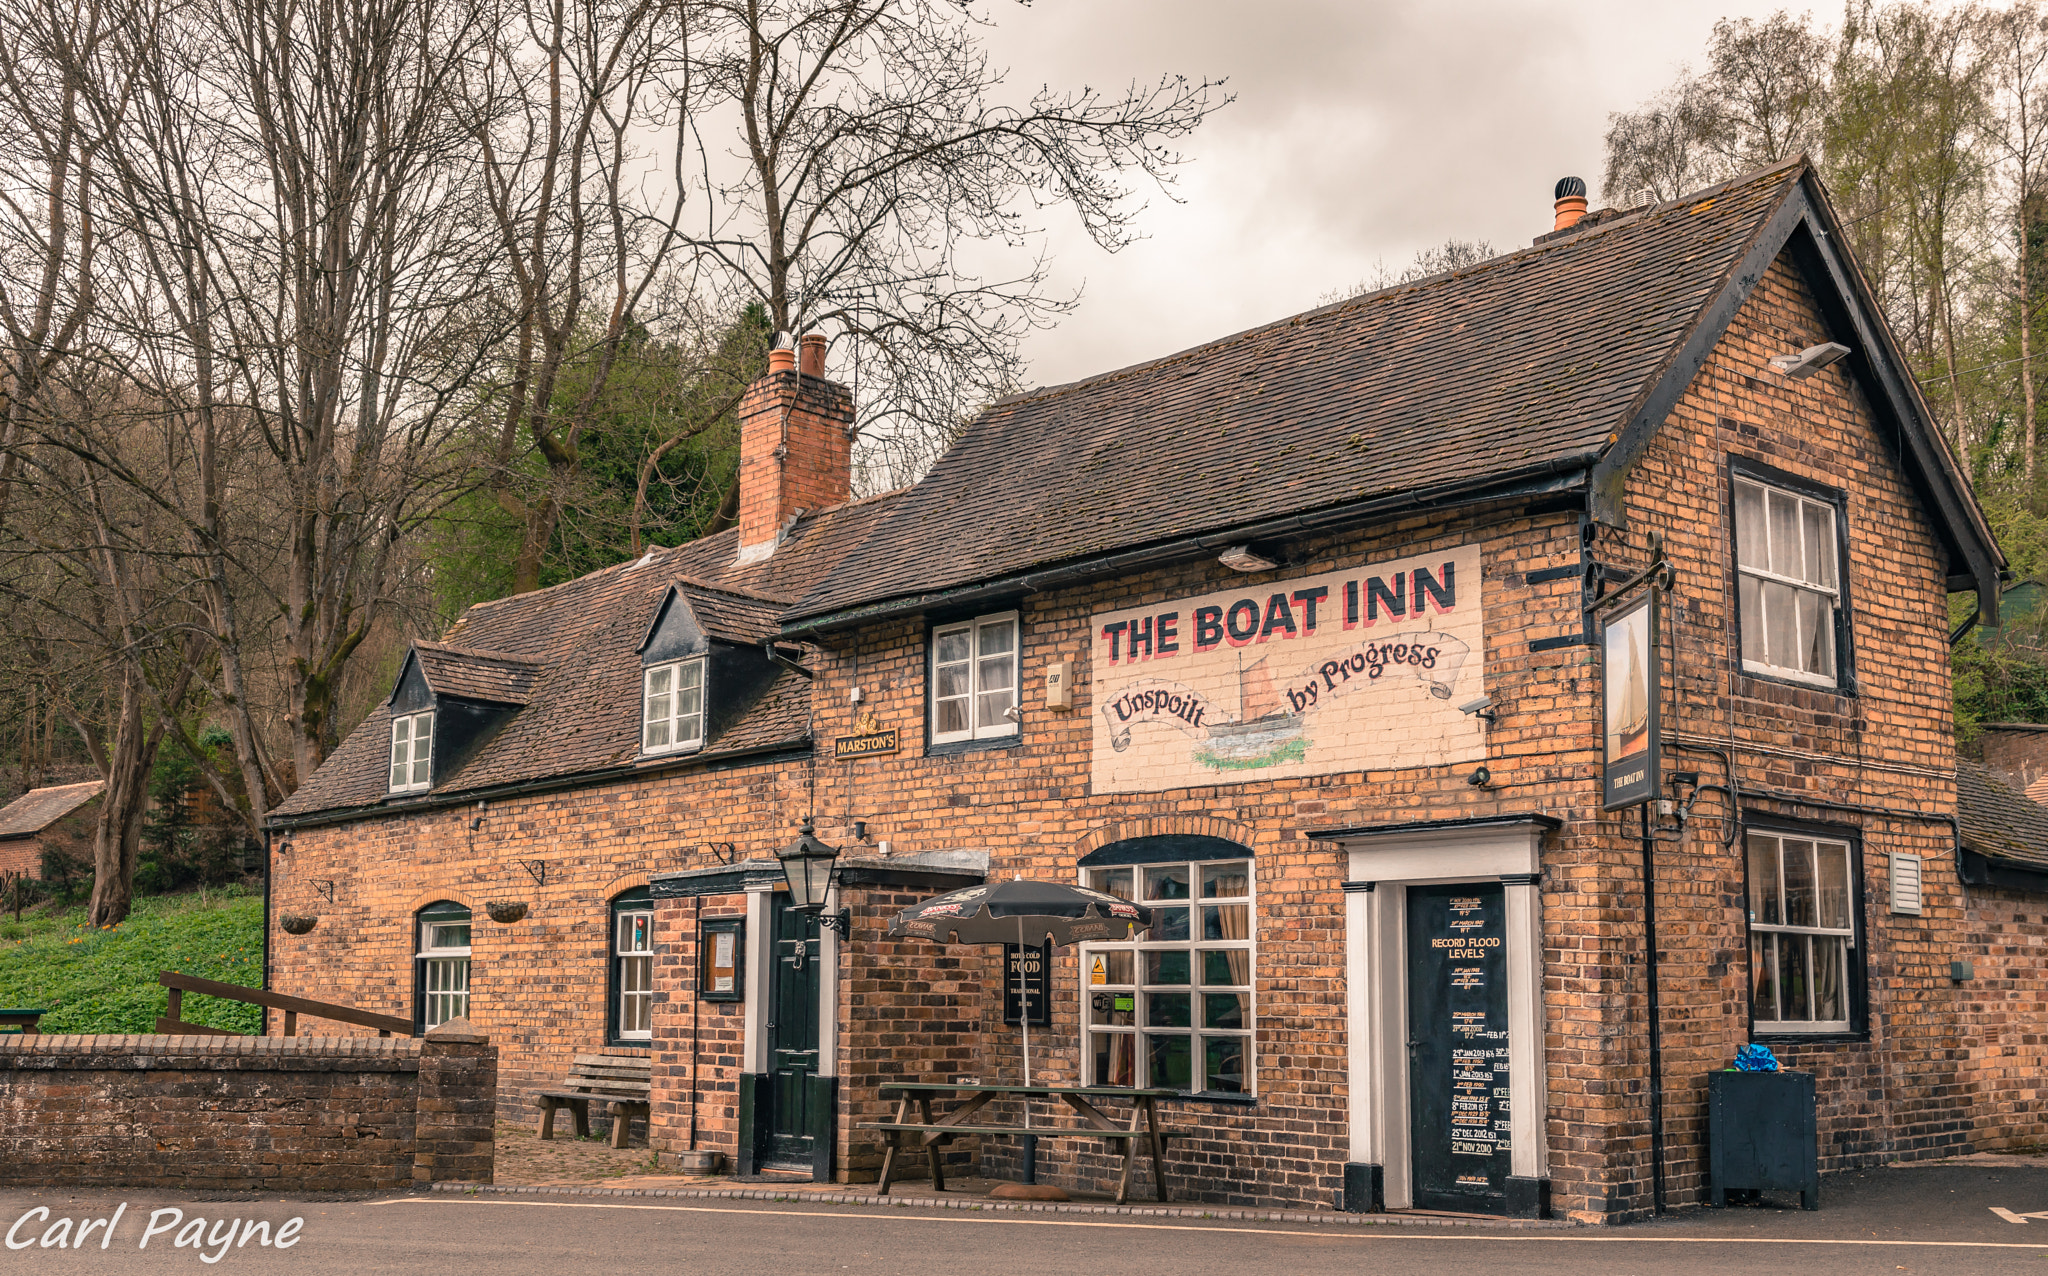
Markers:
point(807, 864)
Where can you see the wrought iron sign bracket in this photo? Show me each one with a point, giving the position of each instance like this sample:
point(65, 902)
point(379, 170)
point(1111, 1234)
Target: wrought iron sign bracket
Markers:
point(325, 888)
point(839, 923)
point(537, 870)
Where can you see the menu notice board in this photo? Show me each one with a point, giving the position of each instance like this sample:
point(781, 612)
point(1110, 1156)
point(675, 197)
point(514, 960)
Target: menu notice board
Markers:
point(721, 960)
point(1457, 999)
point(1036, 981)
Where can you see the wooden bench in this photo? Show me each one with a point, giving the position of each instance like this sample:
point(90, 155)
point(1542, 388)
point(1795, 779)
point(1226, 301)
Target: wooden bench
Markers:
point(626, 1081)
point(26, 1020)
point(931, 1134)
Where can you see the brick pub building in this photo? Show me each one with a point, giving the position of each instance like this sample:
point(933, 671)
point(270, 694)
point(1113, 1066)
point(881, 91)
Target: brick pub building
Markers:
point(1289, 635)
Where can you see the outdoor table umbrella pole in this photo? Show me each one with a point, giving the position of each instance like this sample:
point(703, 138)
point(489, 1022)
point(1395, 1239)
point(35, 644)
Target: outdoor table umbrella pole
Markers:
point(1024, 1016)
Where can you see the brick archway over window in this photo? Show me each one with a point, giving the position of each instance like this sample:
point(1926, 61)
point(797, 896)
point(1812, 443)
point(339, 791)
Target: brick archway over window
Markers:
point(622, 883)
point(1183, 825)
point(435, 894)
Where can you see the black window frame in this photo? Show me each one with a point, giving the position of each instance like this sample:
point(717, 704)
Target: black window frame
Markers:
point(1858, 990)
point(1743, 467)
point(638, 899)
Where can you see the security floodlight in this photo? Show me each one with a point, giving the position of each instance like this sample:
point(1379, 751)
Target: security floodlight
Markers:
point(1244, 558)
point(1808, 361)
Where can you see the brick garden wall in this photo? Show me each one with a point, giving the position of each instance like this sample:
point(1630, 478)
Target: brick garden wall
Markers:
point(268, 1113)
point(2005, 1028)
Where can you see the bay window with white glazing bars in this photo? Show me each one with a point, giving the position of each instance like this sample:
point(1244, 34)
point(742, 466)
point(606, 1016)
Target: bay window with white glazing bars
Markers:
point(974, 679)
point(443, 963)
point(1173, 1010)
point(1788, 553)
point(1802, 934)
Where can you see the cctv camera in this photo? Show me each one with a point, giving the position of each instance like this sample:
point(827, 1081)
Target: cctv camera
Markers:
point(1481, 705)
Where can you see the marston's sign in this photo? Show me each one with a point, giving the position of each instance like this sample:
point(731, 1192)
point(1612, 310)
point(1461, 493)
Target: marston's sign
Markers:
point(1343, 671)
point(872, 739)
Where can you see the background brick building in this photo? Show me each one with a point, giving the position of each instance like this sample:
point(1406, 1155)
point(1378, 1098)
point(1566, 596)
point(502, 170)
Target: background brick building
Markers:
point(1557, 419)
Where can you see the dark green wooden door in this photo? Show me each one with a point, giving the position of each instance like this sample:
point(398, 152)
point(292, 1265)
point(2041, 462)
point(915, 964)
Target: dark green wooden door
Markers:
point(1458, 1046)
point(789, 1132)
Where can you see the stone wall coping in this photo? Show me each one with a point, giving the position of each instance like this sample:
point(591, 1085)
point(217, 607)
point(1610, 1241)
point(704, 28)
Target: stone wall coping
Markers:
point(144, 1052)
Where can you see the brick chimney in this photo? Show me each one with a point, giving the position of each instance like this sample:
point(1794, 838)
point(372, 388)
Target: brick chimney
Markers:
point(795, 453)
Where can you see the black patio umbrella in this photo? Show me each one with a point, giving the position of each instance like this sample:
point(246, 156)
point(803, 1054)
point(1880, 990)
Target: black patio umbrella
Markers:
point(1013, 912)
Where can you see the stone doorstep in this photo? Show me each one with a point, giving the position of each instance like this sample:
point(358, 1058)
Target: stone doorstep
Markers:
point(836, 1194)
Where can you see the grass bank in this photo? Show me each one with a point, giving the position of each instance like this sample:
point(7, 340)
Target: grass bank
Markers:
point(105, 980)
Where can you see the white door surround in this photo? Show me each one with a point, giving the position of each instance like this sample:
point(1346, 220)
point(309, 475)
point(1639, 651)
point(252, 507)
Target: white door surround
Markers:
point(1383, 861)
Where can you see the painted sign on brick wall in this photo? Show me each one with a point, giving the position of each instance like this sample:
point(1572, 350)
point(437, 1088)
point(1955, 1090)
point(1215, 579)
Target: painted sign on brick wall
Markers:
point(1357, 670)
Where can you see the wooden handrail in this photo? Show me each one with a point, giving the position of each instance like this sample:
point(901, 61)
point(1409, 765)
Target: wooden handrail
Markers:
point(292, 1006)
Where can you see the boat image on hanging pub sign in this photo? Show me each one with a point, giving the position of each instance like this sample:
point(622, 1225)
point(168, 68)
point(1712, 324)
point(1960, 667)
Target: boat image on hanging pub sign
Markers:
point(1358, 670)
point(1630, 676)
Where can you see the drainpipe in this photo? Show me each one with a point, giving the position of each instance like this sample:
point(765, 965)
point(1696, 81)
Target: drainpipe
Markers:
point(269, 872)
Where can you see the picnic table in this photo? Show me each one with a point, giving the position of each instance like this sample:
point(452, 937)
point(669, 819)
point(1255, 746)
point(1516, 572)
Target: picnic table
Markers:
point(930, 1132)
point(27, 1021)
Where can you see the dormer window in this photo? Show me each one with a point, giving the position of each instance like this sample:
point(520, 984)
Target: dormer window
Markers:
point(672, 707)
point(412, 752)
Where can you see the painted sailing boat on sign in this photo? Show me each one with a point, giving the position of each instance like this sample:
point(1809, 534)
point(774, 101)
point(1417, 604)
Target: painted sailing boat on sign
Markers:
point(1632, 715)
point(1265, 731)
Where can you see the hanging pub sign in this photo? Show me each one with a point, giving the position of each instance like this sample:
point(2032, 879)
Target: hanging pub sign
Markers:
point(1632, 679)
point(1037, 983)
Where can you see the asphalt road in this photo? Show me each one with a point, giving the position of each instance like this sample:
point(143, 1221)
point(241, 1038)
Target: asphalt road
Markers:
point(1944, 1219)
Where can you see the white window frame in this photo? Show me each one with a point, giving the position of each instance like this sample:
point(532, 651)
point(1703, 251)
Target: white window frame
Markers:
point(444, 971)
point(1769, 936)
point(408, 772)
point(1821, 578)
point(663, 709)
point(976, 693)
point(1198, 988)
point(625, 935)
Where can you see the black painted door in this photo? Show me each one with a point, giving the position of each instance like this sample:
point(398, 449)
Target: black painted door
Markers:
point(788, 1135)
point(1458, 1046)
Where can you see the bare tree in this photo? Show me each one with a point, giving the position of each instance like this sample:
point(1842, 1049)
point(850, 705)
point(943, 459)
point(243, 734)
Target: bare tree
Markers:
point(1769, 84)
point(304, 274)
point(1452, 254)
point(860, 165)
point(1665, 147)
point(2017, 46)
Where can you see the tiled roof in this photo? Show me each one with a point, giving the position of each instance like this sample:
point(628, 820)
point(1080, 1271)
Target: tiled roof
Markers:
point(816, 545)
point(1999, 821)
point(38, 809)
point(1530, 360)
point(496, 677)
point(572, 651)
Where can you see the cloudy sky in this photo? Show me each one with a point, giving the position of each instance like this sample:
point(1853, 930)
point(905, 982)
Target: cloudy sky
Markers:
point(1363, 130)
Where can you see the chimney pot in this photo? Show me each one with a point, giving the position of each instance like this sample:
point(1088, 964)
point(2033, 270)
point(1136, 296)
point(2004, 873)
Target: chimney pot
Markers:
point(811, 355)
point(781, 359)
point(1571, 202)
